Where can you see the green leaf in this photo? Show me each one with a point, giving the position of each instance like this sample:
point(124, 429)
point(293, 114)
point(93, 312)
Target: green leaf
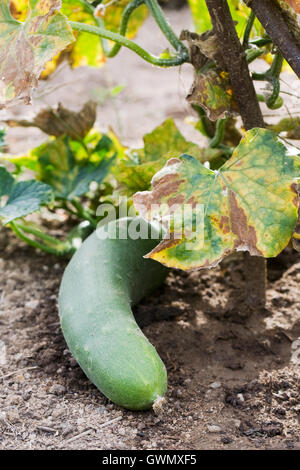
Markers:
point(60, 164)
point(24, 198)
point(25, 48)
point(165, 142)
point(6, 182)
point(250, 203)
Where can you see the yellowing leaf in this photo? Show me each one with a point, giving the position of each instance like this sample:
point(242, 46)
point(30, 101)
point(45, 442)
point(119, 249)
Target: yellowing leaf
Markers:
point(212, 91)
point(87, 50)
point(18, 9)
point(239, 12)
point(26, 47)
point(112, 17)
point(166, 141)
point(250, 203)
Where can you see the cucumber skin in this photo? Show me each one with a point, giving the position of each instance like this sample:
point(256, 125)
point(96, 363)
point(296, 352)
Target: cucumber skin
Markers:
point(103, 279)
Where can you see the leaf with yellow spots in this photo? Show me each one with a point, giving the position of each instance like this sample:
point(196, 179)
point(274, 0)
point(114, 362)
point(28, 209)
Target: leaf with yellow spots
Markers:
point(26, 47)
point(212, 91)
point(18, 9)
point(250, 203)
point(239, 12)
point(87, 50)
point(164, 142)
point(112, 16)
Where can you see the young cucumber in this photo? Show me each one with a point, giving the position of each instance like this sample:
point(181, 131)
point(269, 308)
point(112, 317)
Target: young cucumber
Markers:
point(103, 280)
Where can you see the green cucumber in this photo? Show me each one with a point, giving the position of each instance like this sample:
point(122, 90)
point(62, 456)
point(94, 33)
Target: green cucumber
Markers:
point(103, 280)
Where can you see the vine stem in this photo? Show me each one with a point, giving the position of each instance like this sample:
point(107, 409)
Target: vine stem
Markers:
point(83, 214)
point(236, 64)
point(123, 41)
point(163, 24)
point(248, 29)
point(219, 134)
point(130, 8)
point(270, 15)
point(34, 243)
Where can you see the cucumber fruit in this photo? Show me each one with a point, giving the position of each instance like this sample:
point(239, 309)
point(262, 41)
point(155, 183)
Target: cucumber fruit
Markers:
point(103, 280)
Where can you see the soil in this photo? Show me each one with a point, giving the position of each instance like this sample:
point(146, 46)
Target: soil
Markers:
point(233, 381)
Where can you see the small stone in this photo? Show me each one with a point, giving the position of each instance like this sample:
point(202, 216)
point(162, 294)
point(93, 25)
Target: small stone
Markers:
point(215, 385)
point(57, 389)
point(67, 429)
point(26, 395)
point(57, 412)
point(13, 399)
point(240, 397)
point(73, 362)
point(178, 393)
point(141, 426)
point(214, 428)
point(226, 440)
point(102, 410)
point(237, 423)
point(32, 304)
point(12, 416)
point(3, 358)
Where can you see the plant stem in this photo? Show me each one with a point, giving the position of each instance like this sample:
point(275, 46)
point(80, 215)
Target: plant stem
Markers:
point(38, 233)
point(104, 33)
point(219, 134)
point(83, 214)
point(272, 76)
point(248, 29)
point(163, 24)
point(252, 54)
point(236, 64)
point(270, 15)
point(34, 243)
point(234, 58)
point(130, 8)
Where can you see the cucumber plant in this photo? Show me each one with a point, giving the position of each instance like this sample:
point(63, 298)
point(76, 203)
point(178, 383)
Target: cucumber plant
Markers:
point(246, 178)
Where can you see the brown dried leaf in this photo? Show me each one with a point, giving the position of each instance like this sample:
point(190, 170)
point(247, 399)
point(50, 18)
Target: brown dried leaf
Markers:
point(61, 121)
point(295, 4)
point(212, 91)
point(26, 47)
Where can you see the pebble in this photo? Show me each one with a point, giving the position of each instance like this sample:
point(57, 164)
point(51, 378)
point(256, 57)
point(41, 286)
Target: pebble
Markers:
point(13, 399)
point(12, 416)
point(73, 362)
point(240, 397)
point(3, 359)
point(214, 428)
point(215, 385)
point(57, 412)
point(178, 393)
point(237, 423)
point(32, 304)
point(57, 389)
point(226, 440)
